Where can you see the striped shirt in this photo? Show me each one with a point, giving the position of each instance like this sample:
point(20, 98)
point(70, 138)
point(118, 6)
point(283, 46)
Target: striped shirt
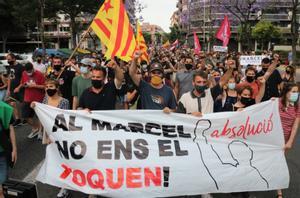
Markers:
point(288, 116)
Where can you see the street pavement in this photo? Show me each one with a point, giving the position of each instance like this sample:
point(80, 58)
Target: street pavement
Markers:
point(31, 153)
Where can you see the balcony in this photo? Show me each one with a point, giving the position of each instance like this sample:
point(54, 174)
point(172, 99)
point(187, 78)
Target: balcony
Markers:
point(275, 17)
point(56, 34)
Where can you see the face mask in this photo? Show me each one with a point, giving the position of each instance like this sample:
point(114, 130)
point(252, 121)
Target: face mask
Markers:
point(200, 89)
point(97, 83)
point(247, 101)
point(188, 66)
point(294, 97)
point(156, 80)
point(231, 85)
point(250, 79)
point(217, 79)
point(39, 60)
point(264, 69)
point(84, 70)
point(57, 67)
point(51, 92)
point(10, 62)
point(29, 73)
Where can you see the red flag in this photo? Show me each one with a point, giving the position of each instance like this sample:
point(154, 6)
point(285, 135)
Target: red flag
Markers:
point(224, 33)
point(196, 44)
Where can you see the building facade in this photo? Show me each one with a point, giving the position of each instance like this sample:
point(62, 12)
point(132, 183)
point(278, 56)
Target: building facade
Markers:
point(205, 16)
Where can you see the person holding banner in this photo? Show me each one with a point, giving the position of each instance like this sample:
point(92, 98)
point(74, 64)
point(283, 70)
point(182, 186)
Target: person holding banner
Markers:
point(53, 99)
point(103, 94)
point(289, 110)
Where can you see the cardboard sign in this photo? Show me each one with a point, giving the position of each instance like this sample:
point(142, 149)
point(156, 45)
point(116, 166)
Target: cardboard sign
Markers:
point(251, 60)
point(220, 48)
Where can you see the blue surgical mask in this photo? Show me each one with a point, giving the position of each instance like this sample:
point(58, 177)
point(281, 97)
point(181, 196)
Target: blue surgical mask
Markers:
point(231, 85)
point(84, 70)
point(294, 97)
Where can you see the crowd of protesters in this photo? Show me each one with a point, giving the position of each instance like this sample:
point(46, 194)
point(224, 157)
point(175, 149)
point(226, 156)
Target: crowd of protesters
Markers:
point(173, 81)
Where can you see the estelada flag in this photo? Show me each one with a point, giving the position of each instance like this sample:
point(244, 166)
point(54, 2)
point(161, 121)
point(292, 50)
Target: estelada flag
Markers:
point(141, 44)
point(197, 45)
point(224, 33)
point(112, 26)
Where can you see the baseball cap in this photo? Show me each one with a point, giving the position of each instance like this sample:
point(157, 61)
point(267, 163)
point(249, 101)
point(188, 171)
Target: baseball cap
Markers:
point(87, 61)
point(156, 66)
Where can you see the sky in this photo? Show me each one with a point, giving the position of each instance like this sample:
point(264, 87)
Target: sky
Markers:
point(159, 12)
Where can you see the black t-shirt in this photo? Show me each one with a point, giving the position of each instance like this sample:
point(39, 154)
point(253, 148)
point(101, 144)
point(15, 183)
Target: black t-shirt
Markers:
point(271, 85)
point(65, 83)
point(105, 100)
point(15, 74)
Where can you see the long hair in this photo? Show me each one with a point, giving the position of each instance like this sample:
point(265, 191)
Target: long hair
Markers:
point(284, 99)
point(292, 74)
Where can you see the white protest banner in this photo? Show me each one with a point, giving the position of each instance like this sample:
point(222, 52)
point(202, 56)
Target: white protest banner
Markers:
point(217, 48)
point(251, 60)
point(129, 153)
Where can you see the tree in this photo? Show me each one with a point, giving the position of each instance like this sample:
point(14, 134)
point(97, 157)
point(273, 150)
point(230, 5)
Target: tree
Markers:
point(11, 22)
point(147, 37)
point(73, 9)
point(294, 27)
point(242, 10)
point(175, 34)
point(265, 31)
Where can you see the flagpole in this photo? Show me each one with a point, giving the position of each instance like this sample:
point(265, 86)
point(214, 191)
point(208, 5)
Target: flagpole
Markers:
point(77, 46)
point(79, 43)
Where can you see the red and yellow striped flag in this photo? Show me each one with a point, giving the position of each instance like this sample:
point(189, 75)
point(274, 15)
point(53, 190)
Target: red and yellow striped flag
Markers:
point(141, 44)
point(112, 26)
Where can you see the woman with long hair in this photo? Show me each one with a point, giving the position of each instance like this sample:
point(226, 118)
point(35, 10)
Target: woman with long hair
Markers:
point(289, 110)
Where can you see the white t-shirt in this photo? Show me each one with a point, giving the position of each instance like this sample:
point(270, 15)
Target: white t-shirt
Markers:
point(40, 67)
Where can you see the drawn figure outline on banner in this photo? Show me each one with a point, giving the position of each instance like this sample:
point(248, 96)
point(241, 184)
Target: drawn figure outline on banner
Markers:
point(240, 163)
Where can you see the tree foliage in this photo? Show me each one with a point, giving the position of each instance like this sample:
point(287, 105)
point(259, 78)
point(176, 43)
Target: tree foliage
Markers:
point(265, 31)
point(147, 37)
point(73, 9)
point(175, 34)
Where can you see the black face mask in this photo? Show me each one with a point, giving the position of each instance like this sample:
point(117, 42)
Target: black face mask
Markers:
point(57, 67)
point(264, 69)
point(51, 92)
point(250, 79)
point(247, 101)
point(39, 60)
point(97, 83)
point(11, 62)
point(188, 66)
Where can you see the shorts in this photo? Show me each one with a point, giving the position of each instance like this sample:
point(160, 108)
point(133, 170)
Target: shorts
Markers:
point(19, 97)
point(27, 111)
point(3, 169)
